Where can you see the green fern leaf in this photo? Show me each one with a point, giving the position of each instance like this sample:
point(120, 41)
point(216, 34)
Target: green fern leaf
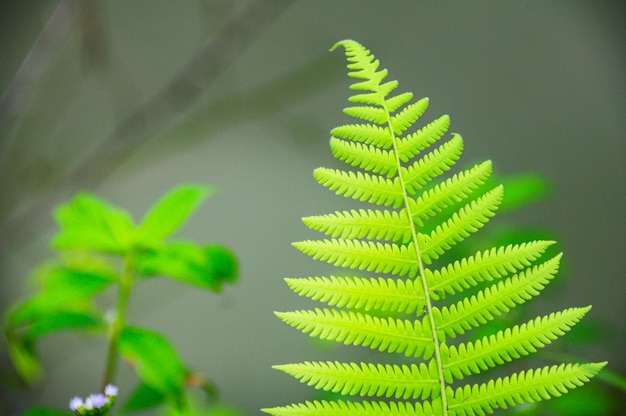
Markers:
point(451, 191)
point(507, 345)
point(432, 165)
point(416, 304)
point(367, 113)
point(466, 220)
point(364, 133)
point(523, 387)
point(410, 338)
point(411, 145)
point(369, 224)
point(364, 408)
point(364, 156)
point(359, 293)
point(369, 380)
point(393, 103)
point(361, 186)
point(494, 300)
point(363, 255)
point(409, 115)
point(484, 266)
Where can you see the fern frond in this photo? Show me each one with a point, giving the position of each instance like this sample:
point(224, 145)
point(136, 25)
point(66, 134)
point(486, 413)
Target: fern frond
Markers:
point(369, 380)
point(523, 387)
point(392, 335)
point(368, 294)
point(407, 306)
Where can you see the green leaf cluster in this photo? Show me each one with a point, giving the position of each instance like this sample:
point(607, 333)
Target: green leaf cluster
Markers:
point(406, 297)
point(100, 247)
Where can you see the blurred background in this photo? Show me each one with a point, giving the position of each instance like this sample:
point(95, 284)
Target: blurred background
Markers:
point(127, 99)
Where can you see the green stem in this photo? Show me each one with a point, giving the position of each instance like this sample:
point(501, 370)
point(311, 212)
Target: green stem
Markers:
point(118, 322)
point(422, 275)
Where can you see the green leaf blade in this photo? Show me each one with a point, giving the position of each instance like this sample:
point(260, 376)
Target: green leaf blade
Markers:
point(485, 266)
point(170, 213)
point(367, 380)
point(363, 255)
point(523, 387)
point(496, 299)
point(368, 134)
point(90, 223)
point(64, 321)
point(23, 338)
point(512, 343)
point(359, 293)
point(464, 222)
point(207, 267)
point(432, 165)
point(366, 157)
point(367, 113)
point(408, 116)
point(453, 190)
point(412, 144)
point(142, 398)
point(347, 408)
point(24, 357)
point(361, 186)
point(363, 224)
point(155, 361)
point(65, 289)
point(399, 336)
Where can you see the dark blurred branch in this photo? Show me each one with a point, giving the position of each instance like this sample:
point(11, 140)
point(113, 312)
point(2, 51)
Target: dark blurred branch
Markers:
point(18, 93)
point(178, 95)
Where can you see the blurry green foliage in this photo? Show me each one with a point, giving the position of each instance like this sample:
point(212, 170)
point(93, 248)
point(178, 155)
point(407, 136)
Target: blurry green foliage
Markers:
point(100, 246)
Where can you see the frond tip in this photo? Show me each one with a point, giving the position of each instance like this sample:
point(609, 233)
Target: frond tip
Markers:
point(406, 294)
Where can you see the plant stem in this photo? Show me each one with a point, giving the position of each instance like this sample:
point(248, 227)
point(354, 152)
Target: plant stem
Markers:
point(119, 319)
point(421, 271)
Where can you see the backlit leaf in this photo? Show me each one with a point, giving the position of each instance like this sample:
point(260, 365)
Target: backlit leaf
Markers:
point(154, 360)
point(170, 213)
point(206, 267)
point(90, 223)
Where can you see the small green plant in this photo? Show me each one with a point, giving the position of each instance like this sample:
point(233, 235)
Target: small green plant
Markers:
point(412, 302)
point(100, 247)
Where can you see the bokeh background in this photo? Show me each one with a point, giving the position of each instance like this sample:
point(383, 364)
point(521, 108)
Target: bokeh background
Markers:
point(129, 98)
